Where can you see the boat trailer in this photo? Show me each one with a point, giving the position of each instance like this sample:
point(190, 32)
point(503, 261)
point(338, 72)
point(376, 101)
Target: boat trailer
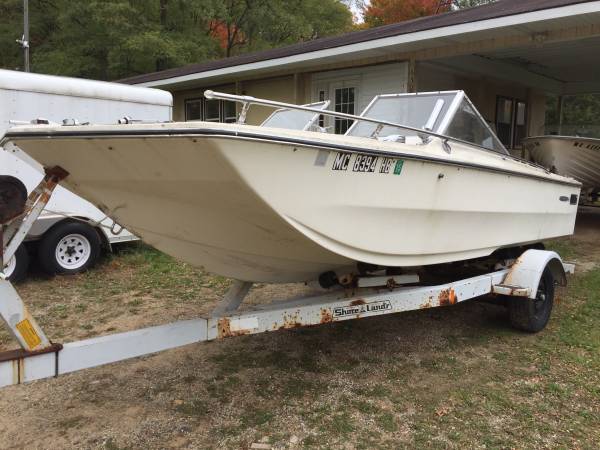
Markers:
point(39, 357)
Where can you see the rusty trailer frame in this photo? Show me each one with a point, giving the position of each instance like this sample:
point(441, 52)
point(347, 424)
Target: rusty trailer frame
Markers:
point(40, 358)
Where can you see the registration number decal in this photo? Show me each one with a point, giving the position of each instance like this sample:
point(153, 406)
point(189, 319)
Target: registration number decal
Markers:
point(366, 163)
point(341, 161)
point(398, 167)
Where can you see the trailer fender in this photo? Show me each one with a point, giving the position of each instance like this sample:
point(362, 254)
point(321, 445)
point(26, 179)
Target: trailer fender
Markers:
point(527, 270)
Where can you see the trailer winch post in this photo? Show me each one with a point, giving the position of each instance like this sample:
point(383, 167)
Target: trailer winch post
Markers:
point(13, 311)
point(15, 231)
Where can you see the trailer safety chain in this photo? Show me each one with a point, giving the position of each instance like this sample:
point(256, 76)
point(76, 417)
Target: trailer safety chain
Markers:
point(114, 229)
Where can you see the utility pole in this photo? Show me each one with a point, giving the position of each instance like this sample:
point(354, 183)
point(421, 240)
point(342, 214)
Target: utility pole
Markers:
point(24, 41)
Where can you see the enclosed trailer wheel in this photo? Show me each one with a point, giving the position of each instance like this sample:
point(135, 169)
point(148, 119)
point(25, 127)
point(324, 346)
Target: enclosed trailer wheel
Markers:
point(16, 267)
point(69, 248)
point(533, 314)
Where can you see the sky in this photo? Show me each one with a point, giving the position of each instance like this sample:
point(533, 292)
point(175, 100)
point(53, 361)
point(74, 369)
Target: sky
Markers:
point(355, 6)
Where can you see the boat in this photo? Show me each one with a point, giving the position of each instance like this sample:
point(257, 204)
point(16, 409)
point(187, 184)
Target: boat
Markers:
point(573, 156)
point(416, 180)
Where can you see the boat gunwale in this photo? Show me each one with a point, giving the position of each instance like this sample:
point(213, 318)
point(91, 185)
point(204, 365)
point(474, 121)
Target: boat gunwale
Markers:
point(16, 135)
point(561, 137)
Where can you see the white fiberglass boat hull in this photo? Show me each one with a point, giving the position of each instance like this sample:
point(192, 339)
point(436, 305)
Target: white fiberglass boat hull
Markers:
point(576, 157)
point(270, 205)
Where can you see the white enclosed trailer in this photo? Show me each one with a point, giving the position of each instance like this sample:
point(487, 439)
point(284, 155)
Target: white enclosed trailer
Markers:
point(66, 245)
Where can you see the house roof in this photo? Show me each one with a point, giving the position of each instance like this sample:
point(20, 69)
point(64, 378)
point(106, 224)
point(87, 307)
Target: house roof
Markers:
point(499, 9)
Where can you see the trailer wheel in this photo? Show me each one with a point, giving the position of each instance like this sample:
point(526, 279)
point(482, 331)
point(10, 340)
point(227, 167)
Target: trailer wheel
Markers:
point(533, 314)
point(69, 248)
point(13, 195)
point(16, 267)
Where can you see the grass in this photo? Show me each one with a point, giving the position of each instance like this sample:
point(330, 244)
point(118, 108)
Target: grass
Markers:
point(509, 390)
point(457, 378)
point(567, 248)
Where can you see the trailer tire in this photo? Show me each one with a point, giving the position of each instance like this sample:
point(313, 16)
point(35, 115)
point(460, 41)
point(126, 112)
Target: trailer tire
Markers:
point(69, 248)
point(16, 267)
point(13, 195)
point(532, 314)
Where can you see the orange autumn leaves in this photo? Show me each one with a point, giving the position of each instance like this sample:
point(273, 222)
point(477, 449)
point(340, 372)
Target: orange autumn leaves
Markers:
point(384, 12)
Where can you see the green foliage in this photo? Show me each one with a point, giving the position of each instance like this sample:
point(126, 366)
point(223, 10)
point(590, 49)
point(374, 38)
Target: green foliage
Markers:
point(461, 4)
point(111, 39)
point(580, 115)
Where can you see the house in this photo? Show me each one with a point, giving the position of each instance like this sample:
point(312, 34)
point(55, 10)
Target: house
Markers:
point(507, 56)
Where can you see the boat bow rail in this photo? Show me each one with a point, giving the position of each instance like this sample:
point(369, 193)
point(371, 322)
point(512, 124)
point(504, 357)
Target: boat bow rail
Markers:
point(379, 295)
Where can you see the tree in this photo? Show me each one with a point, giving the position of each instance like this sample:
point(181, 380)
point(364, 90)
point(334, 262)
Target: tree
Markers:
point(110, 39)
point(384, 12)
point(580, 115)
point(462, 4)
point(11, 28)
point(242, 25)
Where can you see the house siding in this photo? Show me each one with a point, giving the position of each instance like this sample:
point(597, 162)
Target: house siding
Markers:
point(369, 81)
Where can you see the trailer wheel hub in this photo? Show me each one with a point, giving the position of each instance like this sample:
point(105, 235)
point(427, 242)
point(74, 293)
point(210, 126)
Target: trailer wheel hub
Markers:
point(73, 251)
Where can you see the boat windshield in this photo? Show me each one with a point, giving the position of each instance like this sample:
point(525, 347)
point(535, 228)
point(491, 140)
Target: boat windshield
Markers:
point(449, 113)
point(294, 119)
point(466, 124)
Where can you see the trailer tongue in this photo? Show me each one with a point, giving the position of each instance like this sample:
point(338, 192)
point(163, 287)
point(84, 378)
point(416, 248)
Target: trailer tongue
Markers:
point(528, 282)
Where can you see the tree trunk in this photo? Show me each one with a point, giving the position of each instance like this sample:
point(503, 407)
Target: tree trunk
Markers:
point(160, 62)
point(163, 13)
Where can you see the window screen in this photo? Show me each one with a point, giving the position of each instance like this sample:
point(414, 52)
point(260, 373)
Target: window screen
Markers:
point(344, 103)
point(504, 119)
point(193, 109)
point(210, 110)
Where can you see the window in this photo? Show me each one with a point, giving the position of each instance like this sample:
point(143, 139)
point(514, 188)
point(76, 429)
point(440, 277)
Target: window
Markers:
point(193, 109)
point(511, 121)
point(468, 126)
point(520, 123)
point(344, 103)
point(210, 110)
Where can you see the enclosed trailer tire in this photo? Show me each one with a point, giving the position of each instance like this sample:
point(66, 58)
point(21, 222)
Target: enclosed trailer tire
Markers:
point(69, 248)
point(16, 268)
point(533, 314)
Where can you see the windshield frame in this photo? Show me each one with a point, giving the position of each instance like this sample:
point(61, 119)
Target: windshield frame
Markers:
point(459, 97)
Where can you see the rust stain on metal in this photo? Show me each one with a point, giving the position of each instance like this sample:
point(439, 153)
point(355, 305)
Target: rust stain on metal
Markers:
point(291, 321)
point(428, 303)
point(391, 284)
point(224, 329)
point(515, 265)
point(447, 297)
point(18, 354)
point(326, 315)
point(358, 301)
point(56, 172)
